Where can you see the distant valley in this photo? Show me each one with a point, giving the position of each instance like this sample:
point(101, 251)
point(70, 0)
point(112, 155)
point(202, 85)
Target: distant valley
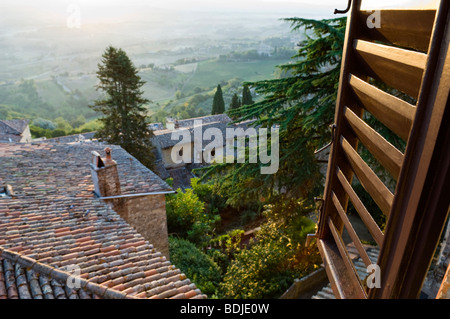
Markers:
point(48, 70)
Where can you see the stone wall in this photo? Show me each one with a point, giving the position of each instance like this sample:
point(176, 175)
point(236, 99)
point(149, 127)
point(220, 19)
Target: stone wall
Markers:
point(167, 156)
point(26, 135)
point(146, 214)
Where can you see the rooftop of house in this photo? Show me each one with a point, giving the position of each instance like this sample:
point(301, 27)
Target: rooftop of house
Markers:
point(222, 118)
point(70, 138)
point(11, 130)
point(54, 233)
point(62, 170)
point(13, 126)
point(164, 137)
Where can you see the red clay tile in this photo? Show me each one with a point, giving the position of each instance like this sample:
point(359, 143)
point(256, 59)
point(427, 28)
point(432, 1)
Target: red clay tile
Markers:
point(190, 294)
point(124, 246)
point(16, 248)
point(62, 229)
point(125, 266)
point(62, 234)
point(112, 253)
point(32, 218)
point(118, 281)
point(119, 287)
point(70, 256)
point(129, 291)
point(107, 249)
point(150, 272)
point(142, 295)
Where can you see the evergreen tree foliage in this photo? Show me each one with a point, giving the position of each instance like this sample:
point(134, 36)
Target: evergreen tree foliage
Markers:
point(235, 102)
point(247, 96)
point(124, 120)
point(303, 105)
point(218, 106)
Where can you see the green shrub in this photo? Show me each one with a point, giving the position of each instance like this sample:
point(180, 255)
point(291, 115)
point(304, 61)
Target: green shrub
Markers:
point(195, 264)
point(207, 193)
point(37, 132)
point(58, 132)
point(187, 218)
point(275, 257)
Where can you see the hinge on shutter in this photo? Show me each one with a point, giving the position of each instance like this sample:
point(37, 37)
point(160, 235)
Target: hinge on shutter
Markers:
point(333, 132)
point(336, 11)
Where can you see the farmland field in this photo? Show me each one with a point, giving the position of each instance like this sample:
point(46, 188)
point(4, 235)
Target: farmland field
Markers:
point(212, 72)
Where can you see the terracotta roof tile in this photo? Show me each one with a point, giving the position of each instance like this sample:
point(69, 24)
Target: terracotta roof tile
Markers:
point(43, 222)
point(42, 233)
point(70, 177)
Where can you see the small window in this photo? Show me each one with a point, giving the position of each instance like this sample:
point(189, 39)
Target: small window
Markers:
point(180, 152)
point(213, 152)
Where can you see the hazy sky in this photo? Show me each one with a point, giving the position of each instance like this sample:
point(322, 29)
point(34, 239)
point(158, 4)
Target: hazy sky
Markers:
point(100, 10)
point(235, 4)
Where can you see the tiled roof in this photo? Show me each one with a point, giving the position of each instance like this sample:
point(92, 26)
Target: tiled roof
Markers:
point(164, 137)
point(87, 234)
point(63, 170)
point(70, 138)
point(217, 118)
point(11, 130)
point(25, 278)
point(4, 137)
point(13, 126)
point(54, 225)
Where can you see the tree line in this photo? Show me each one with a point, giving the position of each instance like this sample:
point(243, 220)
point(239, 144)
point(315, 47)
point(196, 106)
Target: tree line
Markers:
point(218, 106)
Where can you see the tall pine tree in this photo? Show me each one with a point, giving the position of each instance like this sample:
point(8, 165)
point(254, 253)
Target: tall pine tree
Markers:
point(302, 104)
point(124, 120)
point(218, 106)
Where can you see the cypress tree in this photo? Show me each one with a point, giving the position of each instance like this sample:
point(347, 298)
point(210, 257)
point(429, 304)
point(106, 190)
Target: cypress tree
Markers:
point(218, 106)
point(235, 102)
point(247, 96)
point(124, 121)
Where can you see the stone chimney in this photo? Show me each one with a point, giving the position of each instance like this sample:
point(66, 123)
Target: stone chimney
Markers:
point(144, 212)
point(105, 175)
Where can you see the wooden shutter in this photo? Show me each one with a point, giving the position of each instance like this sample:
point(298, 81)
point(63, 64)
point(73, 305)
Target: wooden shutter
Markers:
point(408, 53)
